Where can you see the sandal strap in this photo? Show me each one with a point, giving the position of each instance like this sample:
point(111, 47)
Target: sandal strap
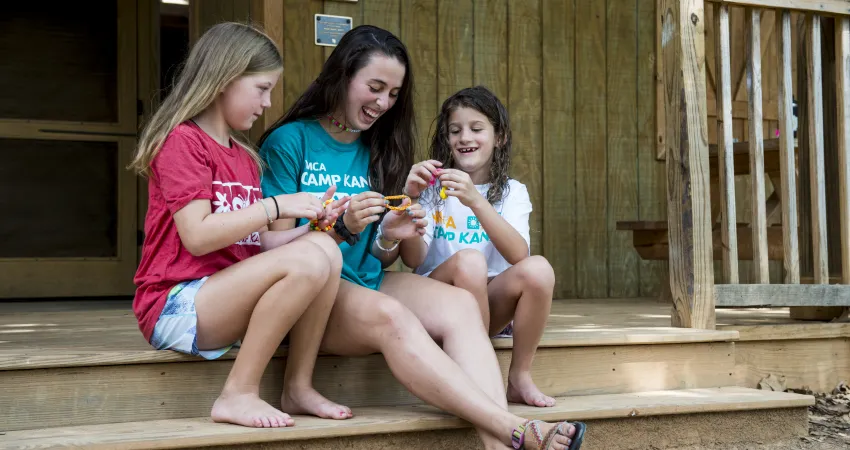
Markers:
point(534, 425)
point(550, 436)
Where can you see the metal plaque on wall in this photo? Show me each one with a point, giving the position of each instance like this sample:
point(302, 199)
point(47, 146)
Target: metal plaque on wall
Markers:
point(329, 29)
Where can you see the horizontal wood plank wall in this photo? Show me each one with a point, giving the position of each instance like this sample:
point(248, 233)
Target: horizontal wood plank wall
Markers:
point(579, 80)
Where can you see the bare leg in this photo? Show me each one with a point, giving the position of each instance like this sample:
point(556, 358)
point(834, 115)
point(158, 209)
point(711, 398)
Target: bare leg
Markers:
point(364, 321)
point(524, 293)
point(299, 396)
point(258, 300)
point(452, 316)
point(467, 269)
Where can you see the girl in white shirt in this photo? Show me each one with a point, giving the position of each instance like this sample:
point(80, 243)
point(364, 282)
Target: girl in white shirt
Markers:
point(477, 237)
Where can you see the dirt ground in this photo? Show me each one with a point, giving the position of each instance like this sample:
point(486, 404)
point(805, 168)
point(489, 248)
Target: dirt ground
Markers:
point(829, 420)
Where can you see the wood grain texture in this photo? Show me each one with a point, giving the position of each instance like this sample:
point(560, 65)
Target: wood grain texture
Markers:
point(816, 364)
point(490, 48)
point(559, 143)
point(202, 432)
point(688, 206)
point(783, 295)
point(754, 97)
point(420, 35)
point(660, 116)
point(269, 15)
point(622, 169)
point(299, 51)
point(791, 262)
point(830, 142)
point(652, 177)
point(455, 47)
point(591, 148)
point(111, 394)
point(525, 104)
point(385, 14)
point(837, 7)
point(816, 162)
point(725, 156)
point(842, 54)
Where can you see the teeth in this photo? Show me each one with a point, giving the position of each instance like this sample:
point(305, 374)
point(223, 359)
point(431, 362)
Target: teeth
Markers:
point(370, 113)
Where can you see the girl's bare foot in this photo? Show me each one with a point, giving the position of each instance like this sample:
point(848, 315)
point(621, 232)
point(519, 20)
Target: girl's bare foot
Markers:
point(537, 431)
point(248, 410)
point(306, 400)
point(521, 389)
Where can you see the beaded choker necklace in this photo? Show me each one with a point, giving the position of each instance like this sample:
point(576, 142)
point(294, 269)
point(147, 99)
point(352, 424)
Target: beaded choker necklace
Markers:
point(341, 126)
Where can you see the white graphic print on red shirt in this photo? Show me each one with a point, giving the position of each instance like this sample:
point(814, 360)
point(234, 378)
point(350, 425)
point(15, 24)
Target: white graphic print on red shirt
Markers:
point(233, 197)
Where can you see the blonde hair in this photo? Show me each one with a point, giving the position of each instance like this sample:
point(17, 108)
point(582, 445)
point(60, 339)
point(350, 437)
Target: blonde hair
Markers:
point(224, 53)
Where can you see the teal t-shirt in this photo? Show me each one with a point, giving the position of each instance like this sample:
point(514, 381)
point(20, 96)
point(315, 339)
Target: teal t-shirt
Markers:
point(302, 157)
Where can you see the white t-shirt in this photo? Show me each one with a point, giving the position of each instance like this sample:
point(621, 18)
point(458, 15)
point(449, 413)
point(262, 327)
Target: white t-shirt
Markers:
point(453, 227)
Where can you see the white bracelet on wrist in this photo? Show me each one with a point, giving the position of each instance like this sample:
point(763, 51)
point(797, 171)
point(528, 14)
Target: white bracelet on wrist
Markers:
point(380, 235)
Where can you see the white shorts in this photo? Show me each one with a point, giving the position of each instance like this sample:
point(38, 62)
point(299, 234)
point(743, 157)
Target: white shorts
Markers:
point(177, 326)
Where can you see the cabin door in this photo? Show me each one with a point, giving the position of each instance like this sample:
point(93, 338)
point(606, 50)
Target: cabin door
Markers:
point(68, 120)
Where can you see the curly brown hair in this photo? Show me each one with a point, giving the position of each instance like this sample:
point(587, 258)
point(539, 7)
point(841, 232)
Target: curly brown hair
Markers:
point(484, 101)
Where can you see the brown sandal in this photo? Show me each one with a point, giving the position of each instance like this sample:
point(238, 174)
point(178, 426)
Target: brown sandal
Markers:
point(544, 442)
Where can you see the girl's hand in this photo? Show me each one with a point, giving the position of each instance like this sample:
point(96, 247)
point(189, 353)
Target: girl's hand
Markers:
point(300, 205)
point(458, 184)
point(421, 175)
point(333, 210)
point(400, 225)
point(363, 209)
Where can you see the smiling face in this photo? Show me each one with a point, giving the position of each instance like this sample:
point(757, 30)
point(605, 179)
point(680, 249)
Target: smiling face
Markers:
point(246, 98)
point(472, 140)
point(373, 91)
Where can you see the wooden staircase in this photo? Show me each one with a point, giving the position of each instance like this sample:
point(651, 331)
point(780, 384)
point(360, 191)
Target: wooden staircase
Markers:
point(665, 387)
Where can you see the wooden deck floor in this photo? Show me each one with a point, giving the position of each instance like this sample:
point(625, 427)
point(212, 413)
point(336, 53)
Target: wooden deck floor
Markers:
point(89, 332)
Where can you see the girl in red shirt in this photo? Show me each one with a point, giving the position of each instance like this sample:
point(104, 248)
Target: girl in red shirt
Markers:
point(212, 274)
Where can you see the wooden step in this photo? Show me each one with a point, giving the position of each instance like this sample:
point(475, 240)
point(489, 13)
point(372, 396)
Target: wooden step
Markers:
point(111, 393)
point(88, 367)
point(377, 424)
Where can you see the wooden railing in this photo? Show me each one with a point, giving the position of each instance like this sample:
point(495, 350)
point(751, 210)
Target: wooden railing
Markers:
point(692, 285)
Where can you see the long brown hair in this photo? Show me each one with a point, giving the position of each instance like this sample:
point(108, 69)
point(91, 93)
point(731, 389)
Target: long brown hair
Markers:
point(391, 139)
point(224, 53)
point(484, 101)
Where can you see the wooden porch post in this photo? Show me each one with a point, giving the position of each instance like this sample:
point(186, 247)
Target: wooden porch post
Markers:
point(688, 205)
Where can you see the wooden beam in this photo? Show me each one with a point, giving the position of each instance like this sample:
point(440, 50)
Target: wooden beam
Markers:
point(760, 295)
point(832, 7)
point(761, 268)
point(842, 51)
point(817, 172)
point(688, 205)
point(725, 157)
point(787, 158)
point(742, 78)
point(269, 14)
point(660, 118)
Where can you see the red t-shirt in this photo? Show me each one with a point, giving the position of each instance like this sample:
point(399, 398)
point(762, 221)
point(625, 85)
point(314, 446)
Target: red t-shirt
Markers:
point(190, 166)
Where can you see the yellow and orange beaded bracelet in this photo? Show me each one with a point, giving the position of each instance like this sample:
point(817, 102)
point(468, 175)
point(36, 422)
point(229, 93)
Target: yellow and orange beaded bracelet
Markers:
point(314, 224)
point(397, 197)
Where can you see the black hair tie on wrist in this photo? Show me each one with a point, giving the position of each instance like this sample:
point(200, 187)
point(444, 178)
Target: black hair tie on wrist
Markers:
point(277, 208)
